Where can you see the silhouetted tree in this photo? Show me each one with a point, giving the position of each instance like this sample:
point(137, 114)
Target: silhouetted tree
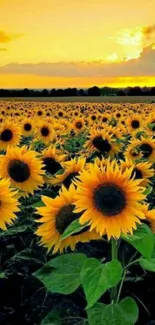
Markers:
point(94, 91)
point(152, 92)
point(135, 91)
point(121, 93)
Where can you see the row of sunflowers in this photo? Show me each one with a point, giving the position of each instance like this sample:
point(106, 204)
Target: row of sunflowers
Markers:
point(86, 170)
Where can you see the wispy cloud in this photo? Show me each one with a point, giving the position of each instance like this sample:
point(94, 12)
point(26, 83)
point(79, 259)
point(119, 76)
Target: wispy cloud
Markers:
point(143, 66)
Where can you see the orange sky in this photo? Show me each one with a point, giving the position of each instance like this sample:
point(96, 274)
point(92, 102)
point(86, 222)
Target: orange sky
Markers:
point(48, 43)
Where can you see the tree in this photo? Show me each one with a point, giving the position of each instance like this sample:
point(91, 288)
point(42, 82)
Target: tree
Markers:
point(135, 91)
point(94, 91)
point(121, 92)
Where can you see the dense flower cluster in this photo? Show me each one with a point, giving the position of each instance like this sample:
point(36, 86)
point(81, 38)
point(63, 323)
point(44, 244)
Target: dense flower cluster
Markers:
point(97, 159)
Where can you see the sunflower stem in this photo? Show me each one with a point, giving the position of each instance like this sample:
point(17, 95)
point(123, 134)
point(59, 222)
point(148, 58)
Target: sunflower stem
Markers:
point(114, 251)
point(121, 286)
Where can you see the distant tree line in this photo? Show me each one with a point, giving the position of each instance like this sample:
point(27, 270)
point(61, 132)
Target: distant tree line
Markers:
point(93, 91)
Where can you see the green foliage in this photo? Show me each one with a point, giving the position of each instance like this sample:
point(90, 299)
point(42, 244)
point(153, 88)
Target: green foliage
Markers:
point(38, 204)
point(148, 190)
point(148, 265)
point(124, 313)
point(73, 228)
point(97, 278)
point(14, 230)
point(52, 318)
point(62, 274)
point(75, 143)
point(142, 240)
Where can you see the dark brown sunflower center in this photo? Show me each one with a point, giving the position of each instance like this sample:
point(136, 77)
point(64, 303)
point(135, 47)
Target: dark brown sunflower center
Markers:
point(135, 124)
point(109, 199)
point(118, 115)
point(51, 165)
point(146, 150)
point(60, 114)
point(18, 171)
point(6, 135)
point(40, 113)
point(104, 120)
point(45, 131)
point(93, 117)
point(68, 180)
point(78, 125)
point(101, 144)
point(65, 217)
point(27, 127)
point(137, 173)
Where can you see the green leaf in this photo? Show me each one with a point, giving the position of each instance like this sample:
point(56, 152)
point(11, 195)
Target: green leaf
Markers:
point(73, 228)
point(14, 231)
point(52, 318)
point(142, 240)
point(38, 204)
point(97, 278)
point(148, 265)
point(148, 190)
point(3, 275)
point(124, 313)
point(151, 125)
point(62, 274)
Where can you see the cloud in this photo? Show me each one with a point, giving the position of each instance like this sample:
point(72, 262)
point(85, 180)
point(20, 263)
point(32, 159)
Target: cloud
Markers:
point(143, 66)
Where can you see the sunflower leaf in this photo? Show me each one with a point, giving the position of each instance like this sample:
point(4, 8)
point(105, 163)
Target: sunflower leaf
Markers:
point(38, 204)
point(124, 313)
point(148, 265)
point(73, 228)
point(142, 240)
point(62, 274)
point(148, 190)
point(14, 231)
point(52, 318)
point(97, 278)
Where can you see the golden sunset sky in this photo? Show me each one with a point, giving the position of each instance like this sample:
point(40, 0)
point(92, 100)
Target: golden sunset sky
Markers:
point(68, 43)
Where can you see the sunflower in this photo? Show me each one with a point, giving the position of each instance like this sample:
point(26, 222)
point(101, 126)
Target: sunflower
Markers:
point(78, 125)
point(150, 216)
point(110, 200)
point(23, 168)
point(57, 215)
point(10, 134)
point(71, 170)
point(27, 127)
point(147, 148)
point(60, 113)
point(133, 151)
point(52, 159)
point(134, 123)
point(141, 170)
point(44, 132)
point(105, 118)
point(102, 142)
point(8, 204)
point(39, 112)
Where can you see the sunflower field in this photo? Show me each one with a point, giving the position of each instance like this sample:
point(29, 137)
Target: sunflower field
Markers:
point(77, 213)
